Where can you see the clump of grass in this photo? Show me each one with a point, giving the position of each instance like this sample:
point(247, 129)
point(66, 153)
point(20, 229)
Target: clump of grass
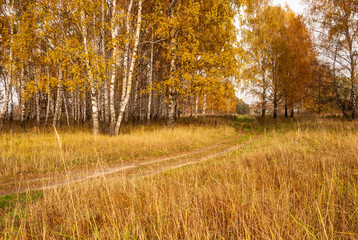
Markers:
point(293, 183)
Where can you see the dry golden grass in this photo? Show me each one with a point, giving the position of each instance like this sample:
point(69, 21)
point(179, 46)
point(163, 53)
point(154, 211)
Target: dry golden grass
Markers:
point(298, 181)
point(34, 153)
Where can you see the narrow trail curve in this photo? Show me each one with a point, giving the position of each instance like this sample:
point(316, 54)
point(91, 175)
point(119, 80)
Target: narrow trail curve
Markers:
point(204, 158)
point(75, 176)
point(112, 170)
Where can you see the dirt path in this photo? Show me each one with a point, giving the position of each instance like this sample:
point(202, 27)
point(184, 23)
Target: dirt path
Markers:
point(26, 185)
point(205, 158)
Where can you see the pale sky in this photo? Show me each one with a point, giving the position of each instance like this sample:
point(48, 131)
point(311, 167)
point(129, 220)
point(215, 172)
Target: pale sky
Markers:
point(296, 5)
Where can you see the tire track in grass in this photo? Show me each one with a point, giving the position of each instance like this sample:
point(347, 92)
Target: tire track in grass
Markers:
point(68, 179)
point(203, 159)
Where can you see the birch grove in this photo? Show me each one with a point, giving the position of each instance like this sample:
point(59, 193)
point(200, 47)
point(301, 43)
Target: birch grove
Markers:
point(105, 62)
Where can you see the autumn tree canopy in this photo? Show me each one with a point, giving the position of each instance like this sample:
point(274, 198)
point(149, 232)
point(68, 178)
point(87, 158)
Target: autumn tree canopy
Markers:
point(278, 53)
point(112, 61)
point(108, 62)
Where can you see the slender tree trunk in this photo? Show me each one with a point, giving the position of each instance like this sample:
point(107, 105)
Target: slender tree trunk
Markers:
point(171, 108)
point(161, 102)
point(128, 81)
point(204, 103)
point(37, 98)
point(114, 64)
point(113, 68)
point(12, 106)
point(84, 107)
point(48, 104)
point(58, 108)
point(94, 103)
point(178, 109)
point(38, 109)
point(106, 109)
point(75, 106)
point(6, 105)
point(196, 105)
point(171, 97)
point(191, 106)
point(99, 102)
point(186, 103)
point(136, 102)
point(335, 82)
point(150, 81)
point(22, 100)
point(286, 107)
point(353, 90)
point(275, 105)
point(353, 100)
point(65, 102)
point(47, 72)
point(263, 113)
point(141, 100)
point(319, 94)
point(106, 104)
point(10, 73)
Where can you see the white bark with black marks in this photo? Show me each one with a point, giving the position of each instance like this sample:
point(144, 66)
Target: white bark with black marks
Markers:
point(127, 83)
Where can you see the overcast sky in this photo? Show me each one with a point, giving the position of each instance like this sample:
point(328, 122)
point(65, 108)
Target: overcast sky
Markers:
point(298, 7)
point(295, 5)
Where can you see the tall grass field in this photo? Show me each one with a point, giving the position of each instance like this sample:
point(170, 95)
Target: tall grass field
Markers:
point(297, 179)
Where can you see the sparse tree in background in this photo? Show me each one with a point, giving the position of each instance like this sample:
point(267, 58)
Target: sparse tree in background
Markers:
point(242, 108)
point(336, 24)
point(278, 55)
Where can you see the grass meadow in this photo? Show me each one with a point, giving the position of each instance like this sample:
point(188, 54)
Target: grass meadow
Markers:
point(298, 180)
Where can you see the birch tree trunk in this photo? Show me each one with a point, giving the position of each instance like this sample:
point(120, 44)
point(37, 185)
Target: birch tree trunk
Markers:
point(128, 85)
point(47, 72)
point(191, 106)
point(84, 108)
point(37, 98)
point(73, 106)
point(335, 82)
point(6, 104)
point(48, 104)
point(136, 102)
point(103, 52)
point(10, 72)
point(141, 101)
point(38, 108)
point(115, 64)
point(171, 98)
point(196, 105)
point(11, 117)
point(353, 86)
point(65, 102)
point(113, 69)
point(263, 111)
point(94, 103)
point(78, 105)
point(22, 100)
point(204, 103)
point(58, 108)
point(171, 107)
point(186, 104)
point(150, 80)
